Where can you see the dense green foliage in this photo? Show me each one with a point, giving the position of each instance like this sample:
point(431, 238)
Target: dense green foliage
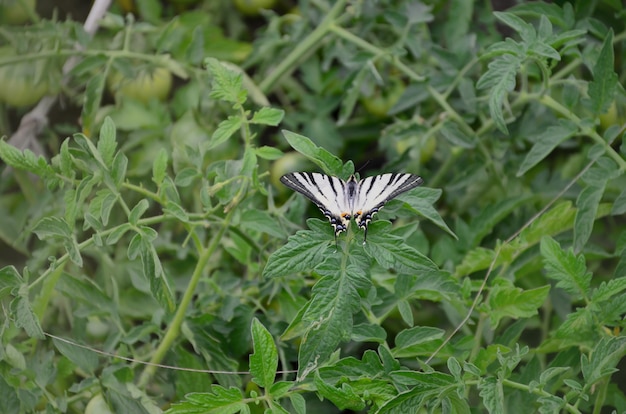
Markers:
point(156, 235)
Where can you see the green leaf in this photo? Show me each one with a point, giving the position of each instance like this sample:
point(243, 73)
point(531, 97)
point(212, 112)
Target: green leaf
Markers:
point(137, 211)
point(344, 398)
point(83, 358)
point(351, 96)
point(604, 358)
point(268, 153)
point(261, 221)
point(153, 271)
point(604, 85)
point(118, 169)
point(186, 176)
point(391, 252)
point(26, 160)
point(52, 227)
point(159, 167)
point(546, 142)
point(218, 400)
point(25, 316)
point(525, 30)
point(619, 205)
point(322, 158)
point(421, 200)
point(513, 302)
point(568, 269)
point(88, 293)
point(264, 360)
point(587, 202)
point(303, 251)
point(227, 84)
point(10, 278)
point(268, 116)
point(92, 101)
point(416, 341)
point(224, 131)
point(500, 78)
point(177, 211)
point(107, 143)
point(492, 394)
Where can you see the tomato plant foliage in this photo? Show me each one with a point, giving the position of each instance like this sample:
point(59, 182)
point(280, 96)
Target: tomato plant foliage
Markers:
point(151, 262)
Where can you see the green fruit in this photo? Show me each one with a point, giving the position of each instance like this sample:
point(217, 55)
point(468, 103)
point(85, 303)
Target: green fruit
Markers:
point(253, 7)
point(16, 11)
point(383, 99)
point(22, 83)
point(146, 85)
point(97, 405)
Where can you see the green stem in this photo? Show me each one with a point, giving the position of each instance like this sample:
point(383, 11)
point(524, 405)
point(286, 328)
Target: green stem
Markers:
point(174, 329)
point(343, 33)
point(304, 48)
point(551, 103)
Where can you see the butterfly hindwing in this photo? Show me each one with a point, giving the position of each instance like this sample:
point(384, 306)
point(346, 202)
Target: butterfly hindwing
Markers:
point(327, 192)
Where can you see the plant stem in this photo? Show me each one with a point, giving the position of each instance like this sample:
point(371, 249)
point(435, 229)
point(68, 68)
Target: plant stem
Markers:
point(308, 45)
point(174, 328)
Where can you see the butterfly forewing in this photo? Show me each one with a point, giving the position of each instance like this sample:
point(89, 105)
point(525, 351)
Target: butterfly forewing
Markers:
point(328, 193)
point(375, 191)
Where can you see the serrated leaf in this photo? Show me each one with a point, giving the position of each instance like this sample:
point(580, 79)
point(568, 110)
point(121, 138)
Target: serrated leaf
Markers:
point(186, 176)
point(224, 131)
point(268, 116)
point(513, 302)
point(500, 77)
point(392, 252)
point(264, 360)
point(421, 200)
point(546, 142)
point(303, 251)
point(10, 278)
point(137, 211)
point(25, 160)
point(25, 316)
point(329, 318)
point(604, 358)
point(107, 143)
point(563, 266)
point(324, 159)
point(604, 85)
point(587, 202)
point(52, 227)
point(218, 400)
point(83, 358)
point(118, 169)
point(415, 341)
point(117, 234)
point(525, 30)
point(492, 394)
point(227, 84)
point(343, 397)
point(159, 167)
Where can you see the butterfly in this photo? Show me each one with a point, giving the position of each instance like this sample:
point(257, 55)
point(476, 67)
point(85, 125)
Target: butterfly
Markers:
point(341, 200)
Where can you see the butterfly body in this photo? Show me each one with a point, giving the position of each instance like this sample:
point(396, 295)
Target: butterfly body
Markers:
point(340, 200)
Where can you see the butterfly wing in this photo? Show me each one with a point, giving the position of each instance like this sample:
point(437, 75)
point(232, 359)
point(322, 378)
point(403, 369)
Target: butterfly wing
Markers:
point(375, 191)
point(328, 193)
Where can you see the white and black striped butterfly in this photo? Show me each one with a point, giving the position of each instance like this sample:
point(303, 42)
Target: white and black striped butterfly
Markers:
point(342, 200)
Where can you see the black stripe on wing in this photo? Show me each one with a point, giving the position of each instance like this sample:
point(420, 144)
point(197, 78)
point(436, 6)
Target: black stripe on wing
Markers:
point(323, 190)
point(375, 191)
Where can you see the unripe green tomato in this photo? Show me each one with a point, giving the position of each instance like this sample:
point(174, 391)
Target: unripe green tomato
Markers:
point(16, 11)
point(18, 84)
point(147, 85)
point(97, 405)
point(383, 99)
point(290, 162)
point(253, 7)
